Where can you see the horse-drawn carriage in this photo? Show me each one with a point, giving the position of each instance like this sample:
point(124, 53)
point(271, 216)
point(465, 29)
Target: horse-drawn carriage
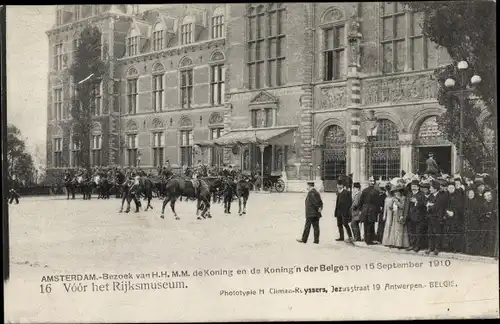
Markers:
point(270, 182)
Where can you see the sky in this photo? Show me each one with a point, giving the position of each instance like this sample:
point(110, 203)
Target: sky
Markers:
point(27, 68)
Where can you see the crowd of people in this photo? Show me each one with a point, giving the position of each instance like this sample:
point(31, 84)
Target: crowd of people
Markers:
point(431, 212)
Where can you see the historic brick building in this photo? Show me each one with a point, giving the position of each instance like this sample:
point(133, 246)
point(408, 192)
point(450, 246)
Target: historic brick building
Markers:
point(300, 78)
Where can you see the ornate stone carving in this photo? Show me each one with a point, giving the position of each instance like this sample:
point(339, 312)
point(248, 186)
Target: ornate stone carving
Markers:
point(132, 72)
point(264, 96)
point(58, 132)
point(185, 62)
point(332, 14)
point(131, 125)
point(215, 118)
point(333, 98)
point(158, 67)
point(185, 121)
point(96, 127)
point(158, 123)
point(217, 56)
point(399, 89)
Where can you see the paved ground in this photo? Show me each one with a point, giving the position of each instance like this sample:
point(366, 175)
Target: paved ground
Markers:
point(55, 236)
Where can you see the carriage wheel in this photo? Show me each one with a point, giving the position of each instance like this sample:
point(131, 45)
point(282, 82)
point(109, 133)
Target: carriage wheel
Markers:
point(268, 185)
point(280, 185)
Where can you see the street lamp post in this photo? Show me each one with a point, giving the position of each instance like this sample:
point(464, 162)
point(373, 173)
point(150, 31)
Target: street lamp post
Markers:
point(461, 92)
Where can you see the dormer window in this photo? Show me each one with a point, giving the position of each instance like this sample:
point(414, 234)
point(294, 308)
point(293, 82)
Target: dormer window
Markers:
point(132, 43)
point(187, 36)
point(78, 12)
point(218, 23)
point(59, 16)
point(158, 37)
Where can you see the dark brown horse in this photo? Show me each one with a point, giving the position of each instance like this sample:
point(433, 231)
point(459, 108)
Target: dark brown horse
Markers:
point(176, 187)
point(243, 186)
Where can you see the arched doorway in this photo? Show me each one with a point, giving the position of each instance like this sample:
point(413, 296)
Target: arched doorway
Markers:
point(334, 156)
point(489, 162)
point(429, 139)
point(386, 152)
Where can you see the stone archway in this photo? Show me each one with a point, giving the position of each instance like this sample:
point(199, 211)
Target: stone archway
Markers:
point(430, 139)
point(333, 156)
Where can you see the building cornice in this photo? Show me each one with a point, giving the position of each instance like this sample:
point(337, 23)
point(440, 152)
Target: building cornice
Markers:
point(173, 51)
point(83, 22)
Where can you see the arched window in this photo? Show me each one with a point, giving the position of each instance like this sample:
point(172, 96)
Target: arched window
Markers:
point(216, 126)
point(429, 138)
point(75, 146)
point(217, 74)
point(132, 142)
point(334, 45)
point(187, 27)
point(132, 91)
point(186, 86)
point(158, 74)
point(158, 142)
point(59, 15)
point(186, 140)
point(158, 37)
point(218, 23)
point(78, 12)
point(385, 155)
point(132, 42)
point(334, 156)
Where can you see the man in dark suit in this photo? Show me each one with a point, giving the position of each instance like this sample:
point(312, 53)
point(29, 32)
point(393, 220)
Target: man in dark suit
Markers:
point(436, 210)
point(369, 205)
point(314, 206)
point(343, 211)
point(415, 214)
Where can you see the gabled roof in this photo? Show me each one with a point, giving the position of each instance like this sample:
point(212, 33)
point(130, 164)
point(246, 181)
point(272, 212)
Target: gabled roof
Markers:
point(142, 26)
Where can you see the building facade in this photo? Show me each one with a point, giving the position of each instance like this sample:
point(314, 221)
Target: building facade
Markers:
point(304, 75)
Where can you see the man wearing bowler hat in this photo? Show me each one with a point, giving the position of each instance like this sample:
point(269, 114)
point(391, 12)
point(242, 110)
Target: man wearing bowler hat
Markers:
point(314, 206)
point(415, 215)
point(436, 210)
point(343, 210)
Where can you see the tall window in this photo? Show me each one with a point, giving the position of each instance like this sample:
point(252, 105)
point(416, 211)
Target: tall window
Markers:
point(132, 45)
point(58, 56)
point(96, 149)
point(275, 45)
point(186, 33)
point(218, 23)
point(263, 117)
point(385, 155)
point(334, 53)
point(75, 148)
point(217, 84)
point(255, 46)
point(158, 148)
point(403, 44)
point(97, 106)
point(157, 92)
point(266, 28)
point(216, 156)
point(132, 96)
point(76, 43)
point(58, 152)
point(157, 38)
point(132, 145)
point(78, 12)
point(59, 16)
point(186, 88)
point(86, 11)
point(186, 147)
point(58, 103)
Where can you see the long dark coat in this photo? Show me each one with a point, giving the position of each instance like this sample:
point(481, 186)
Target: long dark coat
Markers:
point(313, 204)
point(343, 205)
point(370, 204)
point(454, 225)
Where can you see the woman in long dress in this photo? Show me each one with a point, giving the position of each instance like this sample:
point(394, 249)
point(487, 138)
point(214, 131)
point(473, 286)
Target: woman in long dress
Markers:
point(401, 238)
point(388, 238)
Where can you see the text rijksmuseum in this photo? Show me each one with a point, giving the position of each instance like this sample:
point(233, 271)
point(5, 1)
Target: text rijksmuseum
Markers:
point(296, 79)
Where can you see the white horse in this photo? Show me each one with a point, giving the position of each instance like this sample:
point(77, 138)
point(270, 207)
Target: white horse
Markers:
point(79, 179)
point(97, 179)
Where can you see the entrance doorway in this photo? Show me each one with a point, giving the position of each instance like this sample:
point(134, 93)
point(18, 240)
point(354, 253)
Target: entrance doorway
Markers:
point(334, 157)
point(442, 155)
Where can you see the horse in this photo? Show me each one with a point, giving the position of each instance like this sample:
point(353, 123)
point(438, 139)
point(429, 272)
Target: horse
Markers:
point(144, 186)
point(176, 186)
point(103, 187)
point(242, 193)
point(70, 184)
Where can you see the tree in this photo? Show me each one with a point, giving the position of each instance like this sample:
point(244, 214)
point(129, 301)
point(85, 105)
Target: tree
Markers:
point(467, 30)
point(21, 168)
point(87, 70)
